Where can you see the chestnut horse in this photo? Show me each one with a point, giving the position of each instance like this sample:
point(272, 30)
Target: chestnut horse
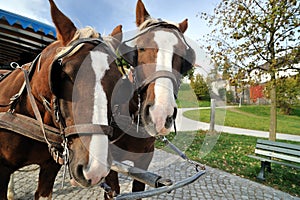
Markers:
point(71, 86)
point(159, 55)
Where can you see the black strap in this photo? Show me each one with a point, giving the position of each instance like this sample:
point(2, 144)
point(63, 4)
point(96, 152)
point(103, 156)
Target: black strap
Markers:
point(161, 74)
point(4, 75)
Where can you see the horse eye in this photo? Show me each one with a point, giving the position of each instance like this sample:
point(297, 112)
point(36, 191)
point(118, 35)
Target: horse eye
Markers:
point(142, 49)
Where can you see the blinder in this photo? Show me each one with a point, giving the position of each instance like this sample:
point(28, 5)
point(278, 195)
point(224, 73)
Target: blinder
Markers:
point(56, 66)
point(129, 54)
point(53, 76)
point(188, 60)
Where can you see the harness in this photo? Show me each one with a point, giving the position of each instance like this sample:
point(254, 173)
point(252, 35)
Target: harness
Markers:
point(56, 139)
point(129, 54)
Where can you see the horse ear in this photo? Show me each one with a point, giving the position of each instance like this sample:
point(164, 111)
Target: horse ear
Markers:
point(117, 34)
point(65, 29)
point(141, 13)
point(183, 25)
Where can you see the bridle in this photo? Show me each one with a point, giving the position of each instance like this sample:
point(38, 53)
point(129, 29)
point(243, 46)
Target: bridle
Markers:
point(129, 54)
point(124, 50)
point(65, 132)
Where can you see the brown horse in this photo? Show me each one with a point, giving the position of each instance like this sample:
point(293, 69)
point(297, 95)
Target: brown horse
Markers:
point(71, 85)
point(159, 56)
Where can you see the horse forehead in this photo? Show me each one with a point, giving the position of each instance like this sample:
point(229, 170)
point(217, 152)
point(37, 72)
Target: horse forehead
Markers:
point(100, 62)
point(97, 60)
point(93, 68)
point(165, 40)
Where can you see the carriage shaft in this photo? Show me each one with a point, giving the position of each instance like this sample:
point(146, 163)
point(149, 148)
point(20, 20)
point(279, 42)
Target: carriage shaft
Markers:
point(141, 175)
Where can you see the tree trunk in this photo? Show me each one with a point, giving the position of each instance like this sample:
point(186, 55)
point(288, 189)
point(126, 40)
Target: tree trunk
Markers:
point(212, 115)
point(273, 113)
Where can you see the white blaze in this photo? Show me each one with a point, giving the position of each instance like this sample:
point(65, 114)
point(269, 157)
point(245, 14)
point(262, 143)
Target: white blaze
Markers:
point(164, 97)
point(98, 150)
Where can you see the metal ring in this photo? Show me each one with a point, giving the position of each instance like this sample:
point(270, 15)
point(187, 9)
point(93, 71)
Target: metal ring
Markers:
point(15, 65)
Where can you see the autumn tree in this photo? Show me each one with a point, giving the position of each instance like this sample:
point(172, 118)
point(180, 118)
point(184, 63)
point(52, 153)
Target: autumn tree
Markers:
point(260, 36)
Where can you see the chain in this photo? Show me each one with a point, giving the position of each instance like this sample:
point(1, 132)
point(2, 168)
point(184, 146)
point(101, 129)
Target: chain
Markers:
point(65, 156)
point(139, 108)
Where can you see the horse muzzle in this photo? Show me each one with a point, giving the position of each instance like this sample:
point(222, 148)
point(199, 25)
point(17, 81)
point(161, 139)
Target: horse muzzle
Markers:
point(90, 158)
point(158, 120)
point(90, 172)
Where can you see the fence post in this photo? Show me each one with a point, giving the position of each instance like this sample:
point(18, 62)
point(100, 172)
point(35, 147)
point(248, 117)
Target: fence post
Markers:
point(212, 115)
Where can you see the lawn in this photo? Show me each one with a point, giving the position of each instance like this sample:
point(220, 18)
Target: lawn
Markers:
point(187, 98)
point(230, 154)
point(251, 117)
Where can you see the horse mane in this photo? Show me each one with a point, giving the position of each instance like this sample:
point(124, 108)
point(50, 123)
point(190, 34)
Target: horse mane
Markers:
point(87, 32)
point(148, 22)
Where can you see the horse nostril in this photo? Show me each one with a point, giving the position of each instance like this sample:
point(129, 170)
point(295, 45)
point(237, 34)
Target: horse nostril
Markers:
point(89, 182)
point(170, 119)
point(147, 111)
point(80, 170)
point(169, 122)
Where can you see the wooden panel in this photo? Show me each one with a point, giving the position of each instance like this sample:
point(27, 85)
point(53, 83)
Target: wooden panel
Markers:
point(274, 161)
point(278, 149)
point(279, 144)
point(277, 155)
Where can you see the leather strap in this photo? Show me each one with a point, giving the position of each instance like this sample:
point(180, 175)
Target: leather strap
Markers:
point(14, 99)
point(161, 74)
point(34, 105)
point(88, 129)
point(29, 127)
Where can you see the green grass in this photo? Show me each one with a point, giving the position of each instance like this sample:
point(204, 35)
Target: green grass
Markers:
point(230, 154)
point(250, 117)
point(188, 99)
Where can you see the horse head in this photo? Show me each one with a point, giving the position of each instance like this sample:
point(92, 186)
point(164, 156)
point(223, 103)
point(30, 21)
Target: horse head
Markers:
point(70, 75)
point(159, 54)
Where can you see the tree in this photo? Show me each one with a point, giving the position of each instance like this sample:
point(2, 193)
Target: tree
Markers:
point(288, 93)
point(191, 77)
point(200, 88)
point(260, 36)
point(226, 95)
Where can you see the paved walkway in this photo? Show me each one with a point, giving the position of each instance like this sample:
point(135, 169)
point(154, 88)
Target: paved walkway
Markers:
point(185, 124)
point(213, 185)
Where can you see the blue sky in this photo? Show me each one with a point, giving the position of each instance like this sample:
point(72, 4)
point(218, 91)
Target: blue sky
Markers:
point(104, 15)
